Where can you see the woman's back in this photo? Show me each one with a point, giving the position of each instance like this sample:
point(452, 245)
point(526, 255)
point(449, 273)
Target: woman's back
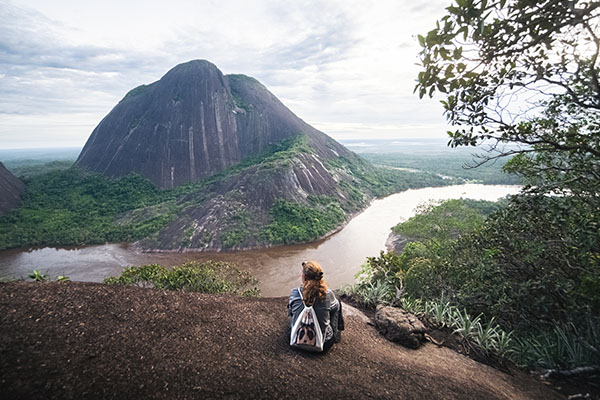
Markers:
point(325, 310)
point(314, 292)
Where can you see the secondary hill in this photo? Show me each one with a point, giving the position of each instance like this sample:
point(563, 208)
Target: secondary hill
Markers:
point(11, 189)
point(84, 340)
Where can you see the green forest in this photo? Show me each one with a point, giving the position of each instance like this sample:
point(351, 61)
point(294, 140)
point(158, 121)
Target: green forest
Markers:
point(70, 206)
point(508, 265)
point(459, 167)
point(73, 207)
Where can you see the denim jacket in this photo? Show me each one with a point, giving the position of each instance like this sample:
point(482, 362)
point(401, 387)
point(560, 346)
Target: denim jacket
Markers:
point(329, 313)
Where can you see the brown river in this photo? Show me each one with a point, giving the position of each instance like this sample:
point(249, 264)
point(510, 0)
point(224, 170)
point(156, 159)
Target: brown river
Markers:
point(278, 269)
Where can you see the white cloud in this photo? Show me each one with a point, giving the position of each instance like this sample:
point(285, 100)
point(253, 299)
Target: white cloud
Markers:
point(346, 67)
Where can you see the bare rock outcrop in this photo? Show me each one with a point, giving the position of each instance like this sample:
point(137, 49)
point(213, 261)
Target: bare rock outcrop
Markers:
point(191, 124)
point(395, 243)
point(399, 326)
point(104, 341)
point(11, 189)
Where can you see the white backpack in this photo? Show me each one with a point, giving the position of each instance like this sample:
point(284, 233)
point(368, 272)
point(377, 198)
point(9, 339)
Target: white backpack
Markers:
point(306, 333)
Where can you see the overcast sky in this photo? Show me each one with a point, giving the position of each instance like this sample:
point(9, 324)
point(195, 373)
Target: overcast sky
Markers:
point(345, 67)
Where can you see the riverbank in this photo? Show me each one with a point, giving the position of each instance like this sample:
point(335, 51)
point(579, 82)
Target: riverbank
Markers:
point(86, 340)
point(341, 254)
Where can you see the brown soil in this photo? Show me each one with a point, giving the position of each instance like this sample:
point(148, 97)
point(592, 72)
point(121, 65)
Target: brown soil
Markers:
point(86, 340)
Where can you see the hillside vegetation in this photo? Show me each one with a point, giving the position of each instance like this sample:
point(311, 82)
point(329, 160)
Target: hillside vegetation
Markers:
point(203, 277)
point(522, 79)
point(456, 166)
point(534, 276)
point(71, 206)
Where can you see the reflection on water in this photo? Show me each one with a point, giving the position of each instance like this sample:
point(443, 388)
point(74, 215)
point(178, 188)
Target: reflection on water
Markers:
point(278, 269)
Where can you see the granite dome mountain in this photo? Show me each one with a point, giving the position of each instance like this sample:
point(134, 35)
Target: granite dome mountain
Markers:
point(192, 123)
point(242, 169)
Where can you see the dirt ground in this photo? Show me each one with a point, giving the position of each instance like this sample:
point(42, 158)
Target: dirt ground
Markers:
point(84, 340)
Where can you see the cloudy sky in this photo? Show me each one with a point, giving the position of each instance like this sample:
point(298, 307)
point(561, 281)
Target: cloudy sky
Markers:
point(346, 67)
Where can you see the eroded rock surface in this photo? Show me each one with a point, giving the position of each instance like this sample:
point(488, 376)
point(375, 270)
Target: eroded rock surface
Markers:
point(191, 124)
point(399, 326)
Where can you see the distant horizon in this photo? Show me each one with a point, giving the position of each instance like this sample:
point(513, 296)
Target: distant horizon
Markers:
point(410, 139)
point(360, 146)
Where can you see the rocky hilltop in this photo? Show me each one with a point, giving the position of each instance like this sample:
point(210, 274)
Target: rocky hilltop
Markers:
point(246, 171)
point(83, 340)
point(11, 189)
point(192, 123)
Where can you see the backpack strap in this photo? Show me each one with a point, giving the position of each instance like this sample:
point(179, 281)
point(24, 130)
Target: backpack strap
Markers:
point(301, 298)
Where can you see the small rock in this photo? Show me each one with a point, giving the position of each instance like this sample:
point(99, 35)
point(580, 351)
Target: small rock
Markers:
point(399, 326)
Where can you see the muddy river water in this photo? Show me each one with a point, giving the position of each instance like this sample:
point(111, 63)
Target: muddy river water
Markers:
point(278, 269)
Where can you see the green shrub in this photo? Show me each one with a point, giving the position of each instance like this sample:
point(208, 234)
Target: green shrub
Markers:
point(375, 293)
point(369, 294)
point(205, 277)
point(295, 222)
point(563, 347)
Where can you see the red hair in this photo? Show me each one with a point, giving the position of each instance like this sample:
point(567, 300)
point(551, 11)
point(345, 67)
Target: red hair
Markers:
point(314, 288)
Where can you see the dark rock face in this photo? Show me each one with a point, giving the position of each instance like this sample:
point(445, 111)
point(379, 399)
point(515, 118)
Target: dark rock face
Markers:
point(192, 123)
point(11, 189)
point(399, 326)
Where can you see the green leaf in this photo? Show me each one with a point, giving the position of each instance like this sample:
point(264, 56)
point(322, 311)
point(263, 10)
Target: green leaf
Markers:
point(457, 53)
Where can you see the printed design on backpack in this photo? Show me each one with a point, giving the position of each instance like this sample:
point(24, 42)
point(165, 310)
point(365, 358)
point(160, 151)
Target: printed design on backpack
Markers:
point(306, 333)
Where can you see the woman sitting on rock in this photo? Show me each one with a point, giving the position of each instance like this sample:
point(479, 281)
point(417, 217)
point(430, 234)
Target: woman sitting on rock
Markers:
point(314, 292)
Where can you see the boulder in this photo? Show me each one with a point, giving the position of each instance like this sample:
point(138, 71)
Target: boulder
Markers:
point(399, 326)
